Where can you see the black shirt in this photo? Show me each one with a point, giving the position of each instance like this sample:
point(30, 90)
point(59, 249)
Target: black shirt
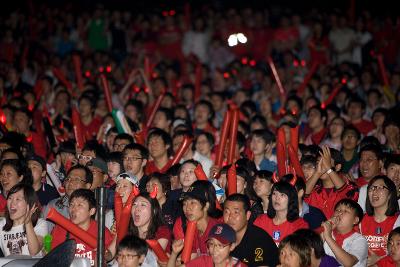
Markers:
point(256, 248)
point(46, 193)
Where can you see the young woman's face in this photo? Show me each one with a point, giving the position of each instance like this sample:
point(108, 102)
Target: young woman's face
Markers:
point(141, 212)
point(186, 175)
point(36, 169)
point(279, 201)
point(155, 183)
point(378, 194)
point(262, 187)
point(193, 209)
point(9, 177)
point(336, 128)
point(218, 251)
point(257, 145)
point(124, 189)
point(288, 257)
point(203, 146)
point(79, 211)
point(17, 206)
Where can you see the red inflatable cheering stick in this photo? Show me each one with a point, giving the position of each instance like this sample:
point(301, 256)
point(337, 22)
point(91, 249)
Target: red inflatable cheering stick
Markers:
point(189, 238)
point(200, 174)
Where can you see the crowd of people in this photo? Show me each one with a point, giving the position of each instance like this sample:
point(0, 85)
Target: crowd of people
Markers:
point(139, 103)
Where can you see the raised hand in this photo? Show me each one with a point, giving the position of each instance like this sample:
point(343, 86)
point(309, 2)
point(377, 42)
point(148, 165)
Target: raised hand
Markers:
point(29, 213)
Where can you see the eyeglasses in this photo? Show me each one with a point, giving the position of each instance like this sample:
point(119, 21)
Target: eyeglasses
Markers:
point(211, 245)
point(128, 257)
point(378, 188)
point(74, 180)
point(83, 157)
point(131, 158)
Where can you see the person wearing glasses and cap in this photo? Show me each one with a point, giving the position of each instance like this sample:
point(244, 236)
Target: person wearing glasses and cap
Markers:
point(220, 243)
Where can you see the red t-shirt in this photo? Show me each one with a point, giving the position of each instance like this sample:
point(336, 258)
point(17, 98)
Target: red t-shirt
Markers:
point(151, 167)
point(278, 232)
point(3, 204)
point(364, 127)
point(326, 199)
point(163, 232)
point(377, 233)
point(199, 243)
point(206, 261)
point(92, 128)
point(39, 144)
point(83, 250)
point(386, 262)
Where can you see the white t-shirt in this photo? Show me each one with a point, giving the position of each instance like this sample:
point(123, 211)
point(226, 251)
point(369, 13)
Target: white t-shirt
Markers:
point(356, 245)
point(14, 242)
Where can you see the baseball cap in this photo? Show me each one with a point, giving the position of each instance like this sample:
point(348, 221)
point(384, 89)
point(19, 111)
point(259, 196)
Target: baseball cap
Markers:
point(223, 233)
point(38, 159)
point(128, 176)
point(98, 163)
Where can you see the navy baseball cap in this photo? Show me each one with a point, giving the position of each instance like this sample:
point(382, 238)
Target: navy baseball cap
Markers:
point(223, 233)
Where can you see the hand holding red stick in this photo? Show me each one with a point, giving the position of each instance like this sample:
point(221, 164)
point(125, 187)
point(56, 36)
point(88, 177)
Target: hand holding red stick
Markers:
point(158, 250)
point(232, 180)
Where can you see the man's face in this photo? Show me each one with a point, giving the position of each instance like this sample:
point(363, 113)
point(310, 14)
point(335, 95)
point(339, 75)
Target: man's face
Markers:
point(235, 215)
point(157, 147)
point(314, 119)
point(79, 211)
point(349, 140)
point(21, 122)
point(370, 165)
point(133, 161)
point(201, 114)
point(393, 172)
point(75, 180)
point(160, 121)
point(119, 145)
point(257, 145)
point(355, 111)
point(129, 258)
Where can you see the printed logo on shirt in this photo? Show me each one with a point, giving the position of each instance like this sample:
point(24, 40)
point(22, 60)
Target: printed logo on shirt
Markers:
point(15, 242)
point(276, 235)
point(377, 242)
point(83, 252)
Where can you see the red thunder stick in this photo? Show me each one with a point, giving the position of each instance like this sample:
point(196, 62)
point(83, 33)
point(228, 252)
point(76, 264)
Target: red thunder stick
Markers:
point(276, 76)
point(197, 82)
point(140, 137)
point(219, 158)
point(332, 96)
point(76, 121)
point(281, 152)
point(294, 161)
point(233, 137)
point(187, 142)
point(125, 217)
point(158, 250)
point(78, 71)
point(231, 177)
point(72, 228)
point(118, 205)
point(189, 238)
point(294, 138)
point(60, 76)
point(382, 69)
point(307, 79)
point(107, 92)
point(154, 110)
point(200, 174)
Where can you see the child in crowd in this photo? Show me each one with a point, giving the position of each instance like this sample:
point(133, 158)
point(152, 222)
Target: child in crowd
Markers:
point(131, 252)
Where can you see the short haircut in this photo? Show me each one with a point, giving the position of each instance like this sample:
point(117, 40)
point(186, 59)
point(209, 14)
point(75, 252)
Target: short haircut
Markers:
point(88, 173)
point(357, 100)
point(351, 128)
point(85, 194)
point(133, 243)
point(174, 170)
point(115, 157)
point(393, 206)
point(209, 107)
point(322, 112)
point(309, 159)
point(157, 132)
point(374, 149)
point(300, 246)
point(395, 231)
point(93, 145)
point(124, 136)
point(247, 164)
point(314, 241)
point(391, 159)
point(352, 205)
point(240, 198)
point(169, 115)
point(264, 134)
point(259, 119)
point(144, 152)
point(209, 137)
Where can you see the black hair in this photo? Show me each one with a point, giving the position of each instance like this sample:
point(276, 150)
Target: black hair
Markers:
point(144, 152)
point(265, 134)
point(133, 243)
point(20, 168)
point(115, 157)
point(209, 107)
point(335, 109)
point(30, 198)
point(300, 246)
point(309, 159)
point(391, 159)
point(169, 115)
point(314, 241)
point(248, 108)
point(209, 137)
point(293, 203)
point(12, 150)
point(139, 107)
point(351, 128)
point(88, 173)
point(352, 205)
point(393, 206)
point(124, 136)
point(174, 170)
point(91, 100)
point(240, 198)
point(259, 119)
point(157, 132)
point(395, 231)
point(247, 164)
point(265, 175)
point(357, 100)
point(322, 112)
point(163, 179)
point(86, 194)
point(374, 149)
point(93, 145)
point(311, 150)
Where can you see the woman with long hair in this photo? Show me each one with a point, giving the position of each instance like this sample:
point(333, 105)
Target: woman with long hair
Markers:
point(382, 216)
point(22, 230)
point(282, 217)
